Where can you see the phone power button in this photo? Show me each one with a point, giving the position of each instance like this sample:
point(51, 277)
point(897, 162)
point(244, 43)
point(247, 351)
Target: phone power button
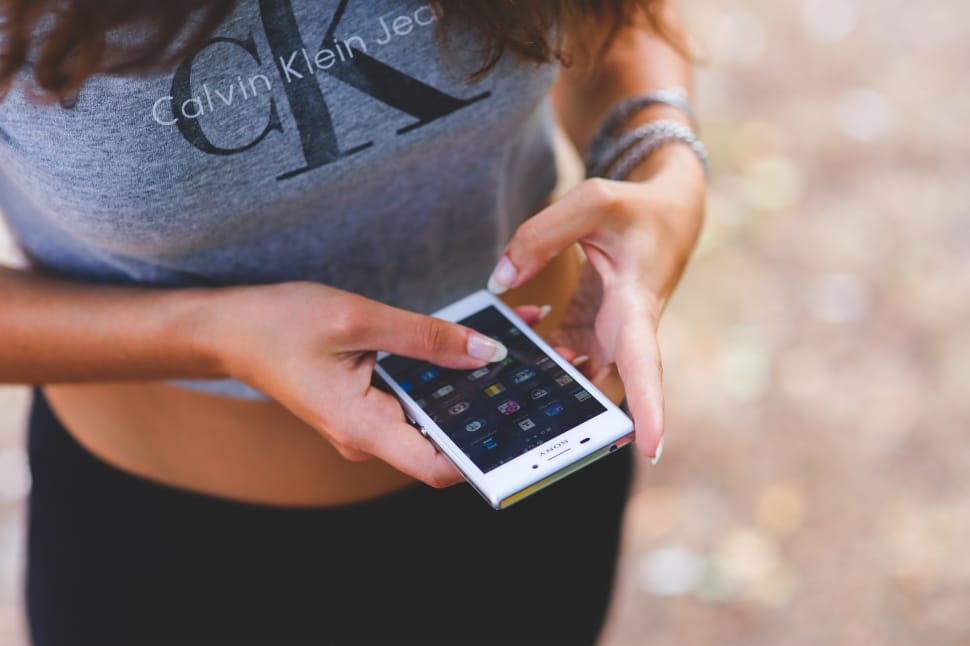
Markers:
point(419, 427)
point(415, 424)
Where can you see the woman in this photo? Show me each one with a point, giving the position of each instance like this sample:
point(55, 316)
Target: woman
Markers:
point(227, 207)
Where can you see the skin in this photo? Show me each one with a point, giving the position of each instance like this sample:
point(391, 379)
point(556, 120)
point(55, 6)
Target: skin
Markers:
point(606, 256)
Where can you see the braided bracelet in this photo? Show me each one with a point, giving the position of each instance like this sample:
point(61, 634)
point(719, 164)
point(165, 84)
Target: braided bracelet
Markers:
point(626, 108)
point(631, 149)
point(612, 149)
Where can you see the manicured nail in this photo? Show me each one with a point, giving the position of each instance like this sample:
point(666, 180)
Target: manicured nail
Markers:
point(485, 348)
point(503, 277)
point(659, 454)
point(544, 311)
point(580, 360)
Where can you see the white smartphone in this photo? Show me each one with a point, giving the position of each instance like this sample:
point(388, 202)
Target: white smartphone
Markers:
point(514, 427)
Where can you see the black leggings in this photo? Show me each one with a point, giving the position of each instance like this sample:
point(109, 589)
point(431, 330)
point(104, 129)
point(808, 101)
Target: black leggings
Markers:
point(117, 559)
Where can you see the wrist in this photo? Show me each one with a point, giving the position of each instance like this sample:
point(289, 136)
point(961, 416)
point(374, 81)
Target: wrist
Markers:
point(674, 159)
point(201, 323)
point(635, 127)
point(671, 190)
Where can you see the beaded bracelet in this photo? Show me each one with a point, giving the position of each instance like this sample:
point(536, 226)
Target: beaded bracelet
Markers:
point(626, 108)
point(630, 149)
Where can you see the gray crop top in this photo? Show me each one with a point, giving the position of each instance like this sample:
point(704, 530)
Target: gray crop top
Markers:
point(322, 140)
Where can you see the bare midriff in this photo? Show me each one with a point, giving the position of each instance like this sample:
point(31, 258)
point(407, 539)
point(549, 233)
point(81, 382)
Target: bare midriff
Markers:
point(253, 451)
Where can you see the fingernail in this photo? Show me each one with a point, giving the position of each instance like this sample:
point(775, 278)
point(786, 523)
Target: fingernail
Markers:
point(503, 276)
point(484, 348)
point(578, 361)
point(659, 454)
point(544, 311)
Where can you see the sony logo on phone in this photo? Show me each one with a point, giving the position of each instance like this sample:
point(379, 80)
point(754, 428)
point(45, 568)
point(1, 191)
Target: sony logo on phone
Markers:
point(554, 447)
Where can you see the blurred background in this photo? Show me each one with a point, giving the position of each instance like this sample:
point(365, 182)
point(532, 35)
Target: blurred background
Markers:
point(814, 488)
point(817, 354)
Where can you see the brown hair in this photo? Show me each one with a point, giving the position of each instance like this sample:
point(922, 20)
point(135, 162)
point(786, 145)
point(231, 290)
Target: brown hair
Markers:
point(70, 40)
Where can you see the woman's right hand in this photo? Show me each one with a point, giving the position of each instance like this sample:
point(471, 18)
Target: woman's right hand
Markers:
point(313, 348)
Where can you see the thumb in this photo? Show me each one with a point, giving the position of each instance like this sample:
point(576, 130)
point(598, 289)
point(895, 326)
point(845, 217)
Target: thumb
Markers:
point(418, 336)
point(641, 369)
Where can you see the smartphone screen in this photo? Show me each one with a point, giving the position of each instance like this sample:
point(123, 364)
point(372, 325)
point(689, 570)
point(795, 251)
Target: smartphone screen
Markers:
point(497, 413)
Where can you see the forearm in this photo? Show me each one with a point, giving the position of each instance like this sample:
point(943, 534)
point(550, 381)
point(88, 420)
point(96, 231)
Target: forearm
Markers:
point(57, 331)
point(639, 60)
point(666, 192)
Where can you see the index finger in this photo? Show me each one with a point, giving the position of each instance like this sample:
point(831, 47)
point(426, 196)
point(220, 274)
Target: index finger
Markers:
point(545, 235)
point(381, 327)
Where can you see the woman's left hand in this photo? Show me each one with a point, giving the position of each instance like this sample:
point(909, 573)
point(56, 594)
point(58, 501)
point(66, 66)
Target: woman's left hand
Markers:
point(637, 236)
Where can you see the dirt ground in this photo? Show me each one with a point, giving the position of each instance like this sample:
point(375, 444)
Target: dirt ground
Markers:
point(814, 486)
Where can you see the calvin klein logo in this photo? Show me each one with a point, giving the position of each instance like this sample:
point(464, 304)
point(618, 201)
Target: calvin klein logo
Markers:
point(298, 67)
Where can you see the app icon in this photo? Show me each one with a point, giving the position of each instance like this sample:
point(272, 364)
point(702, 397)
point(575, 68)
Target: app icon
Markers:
point(406, 386)
point(582, 395)
point(444, 391)
point(523, 375)
point(490, 444)
point(509, 407)
point(475, 425)
point(429, 375)
point(545, 363)
point(514, 331)
point(526, 424)
point(423, 403)
point(478, 374)
point(539, 393)
point(553, 409)
point(507, 362)
point(494, 389)
point(459, 408)
point(565, 380)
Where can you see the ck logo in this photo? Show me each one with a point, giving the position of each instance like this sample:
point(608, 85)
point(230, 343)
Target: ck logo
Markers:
point(298, 66)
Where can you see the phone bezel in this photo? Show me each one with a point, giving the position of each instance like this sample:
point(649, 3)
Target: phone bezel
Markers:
point(511, 482)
